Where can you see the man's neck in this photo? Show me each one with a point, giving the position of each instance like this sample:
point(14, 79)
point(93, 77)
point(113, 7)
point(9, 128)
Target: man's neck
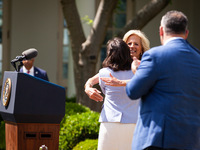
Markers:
point(168, 37)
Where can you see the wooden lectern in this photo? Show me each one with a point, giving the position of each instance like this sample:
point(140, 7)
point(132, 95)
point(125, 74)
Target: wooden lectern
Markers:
point(32, 109)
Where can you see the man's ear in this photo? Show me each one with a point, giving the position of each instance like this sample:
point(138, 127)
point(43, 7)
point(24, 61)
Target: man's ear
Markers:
point(161, 31)
point(186, 34)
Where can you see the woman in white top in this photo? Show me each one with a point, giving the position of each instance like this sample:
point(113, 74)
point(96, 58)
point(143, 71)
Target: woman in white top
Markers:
point(138, 44)
point(117, 116)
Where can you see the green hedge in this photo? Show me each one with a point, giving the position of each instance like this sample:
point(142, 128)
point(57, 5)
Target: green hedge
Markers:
point(78, 125)
point(74, 108)
point(88, 144)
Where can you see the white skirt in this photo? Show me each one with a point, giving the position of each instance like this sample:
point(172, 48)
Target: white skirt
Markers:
point(115, 136)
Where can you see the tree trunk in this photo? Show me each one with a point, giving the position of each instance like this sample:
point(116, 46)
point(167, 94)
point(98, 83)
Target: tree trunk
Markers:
point(90, 51)
point(144, 15)
point(86, 51)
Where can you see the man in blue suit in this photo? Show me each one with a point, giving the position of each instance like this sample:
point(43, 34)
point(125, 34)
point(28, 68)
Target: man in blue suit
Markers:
point(168, 80)
point(29, 68)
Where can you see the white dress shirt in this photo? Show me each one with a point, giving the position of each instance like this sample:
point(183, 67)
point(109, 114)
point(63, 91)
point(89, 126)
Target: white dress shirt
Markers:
point(31, 71)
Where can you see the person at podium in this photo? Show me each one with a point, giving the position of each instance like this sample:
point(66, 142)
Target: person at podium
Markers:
point(28, 67)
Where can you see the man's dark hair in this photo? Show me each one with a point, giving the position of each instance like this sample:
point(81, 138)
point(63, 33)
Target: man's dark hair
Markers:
point(174, 22)
point(118, 55)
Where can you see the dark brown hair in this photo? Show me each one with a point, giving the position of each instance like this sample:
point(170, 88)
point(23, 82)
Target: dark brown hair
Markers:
point(118, 55)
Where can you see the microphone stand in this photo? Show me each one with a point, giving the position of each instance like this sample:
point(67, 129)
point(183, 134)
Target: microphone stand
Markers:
point(17, 68)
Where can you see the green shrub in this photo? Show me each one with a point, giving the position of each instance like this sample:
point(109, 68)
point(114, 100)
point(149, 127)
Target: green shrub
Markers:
point(88, 144)
point(78, 127)
point(74, 108)
point(2, 135)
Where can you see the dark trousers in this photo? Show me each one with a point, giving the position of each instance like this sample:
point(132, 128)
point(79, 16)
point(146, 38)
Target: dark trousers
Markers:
point(158, 148)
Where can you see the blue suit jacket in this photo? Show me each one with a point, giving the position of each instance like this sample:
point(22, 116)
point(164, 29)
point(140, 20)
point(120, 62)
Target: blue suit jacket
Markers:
point(40, 73)
point(168, 80)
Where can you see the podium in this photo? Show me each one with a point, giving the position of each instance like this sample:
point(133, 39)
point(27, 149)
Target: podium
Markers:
point(32, 109)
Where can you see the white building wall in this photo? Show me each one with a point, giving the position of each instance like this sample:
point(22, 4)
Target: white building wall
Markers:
point(34, 24)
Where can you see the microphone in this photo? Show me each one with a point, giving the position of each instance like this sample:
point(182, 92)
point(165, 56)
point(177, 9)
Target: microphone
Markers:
point(26, 55)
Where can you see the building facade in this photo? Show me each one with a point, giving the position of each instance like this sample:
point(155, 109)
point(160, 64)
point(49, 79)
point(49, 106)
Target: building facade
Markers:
point(40, 24)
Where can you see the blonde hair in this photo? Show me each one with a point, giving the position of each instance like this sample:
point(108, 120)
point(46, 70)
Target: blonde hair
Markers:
point(144, 40)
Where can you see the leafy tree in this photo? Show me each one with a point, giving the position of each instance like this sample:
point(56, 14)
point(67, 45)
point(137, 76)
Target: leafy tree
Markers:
point(85, 50)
